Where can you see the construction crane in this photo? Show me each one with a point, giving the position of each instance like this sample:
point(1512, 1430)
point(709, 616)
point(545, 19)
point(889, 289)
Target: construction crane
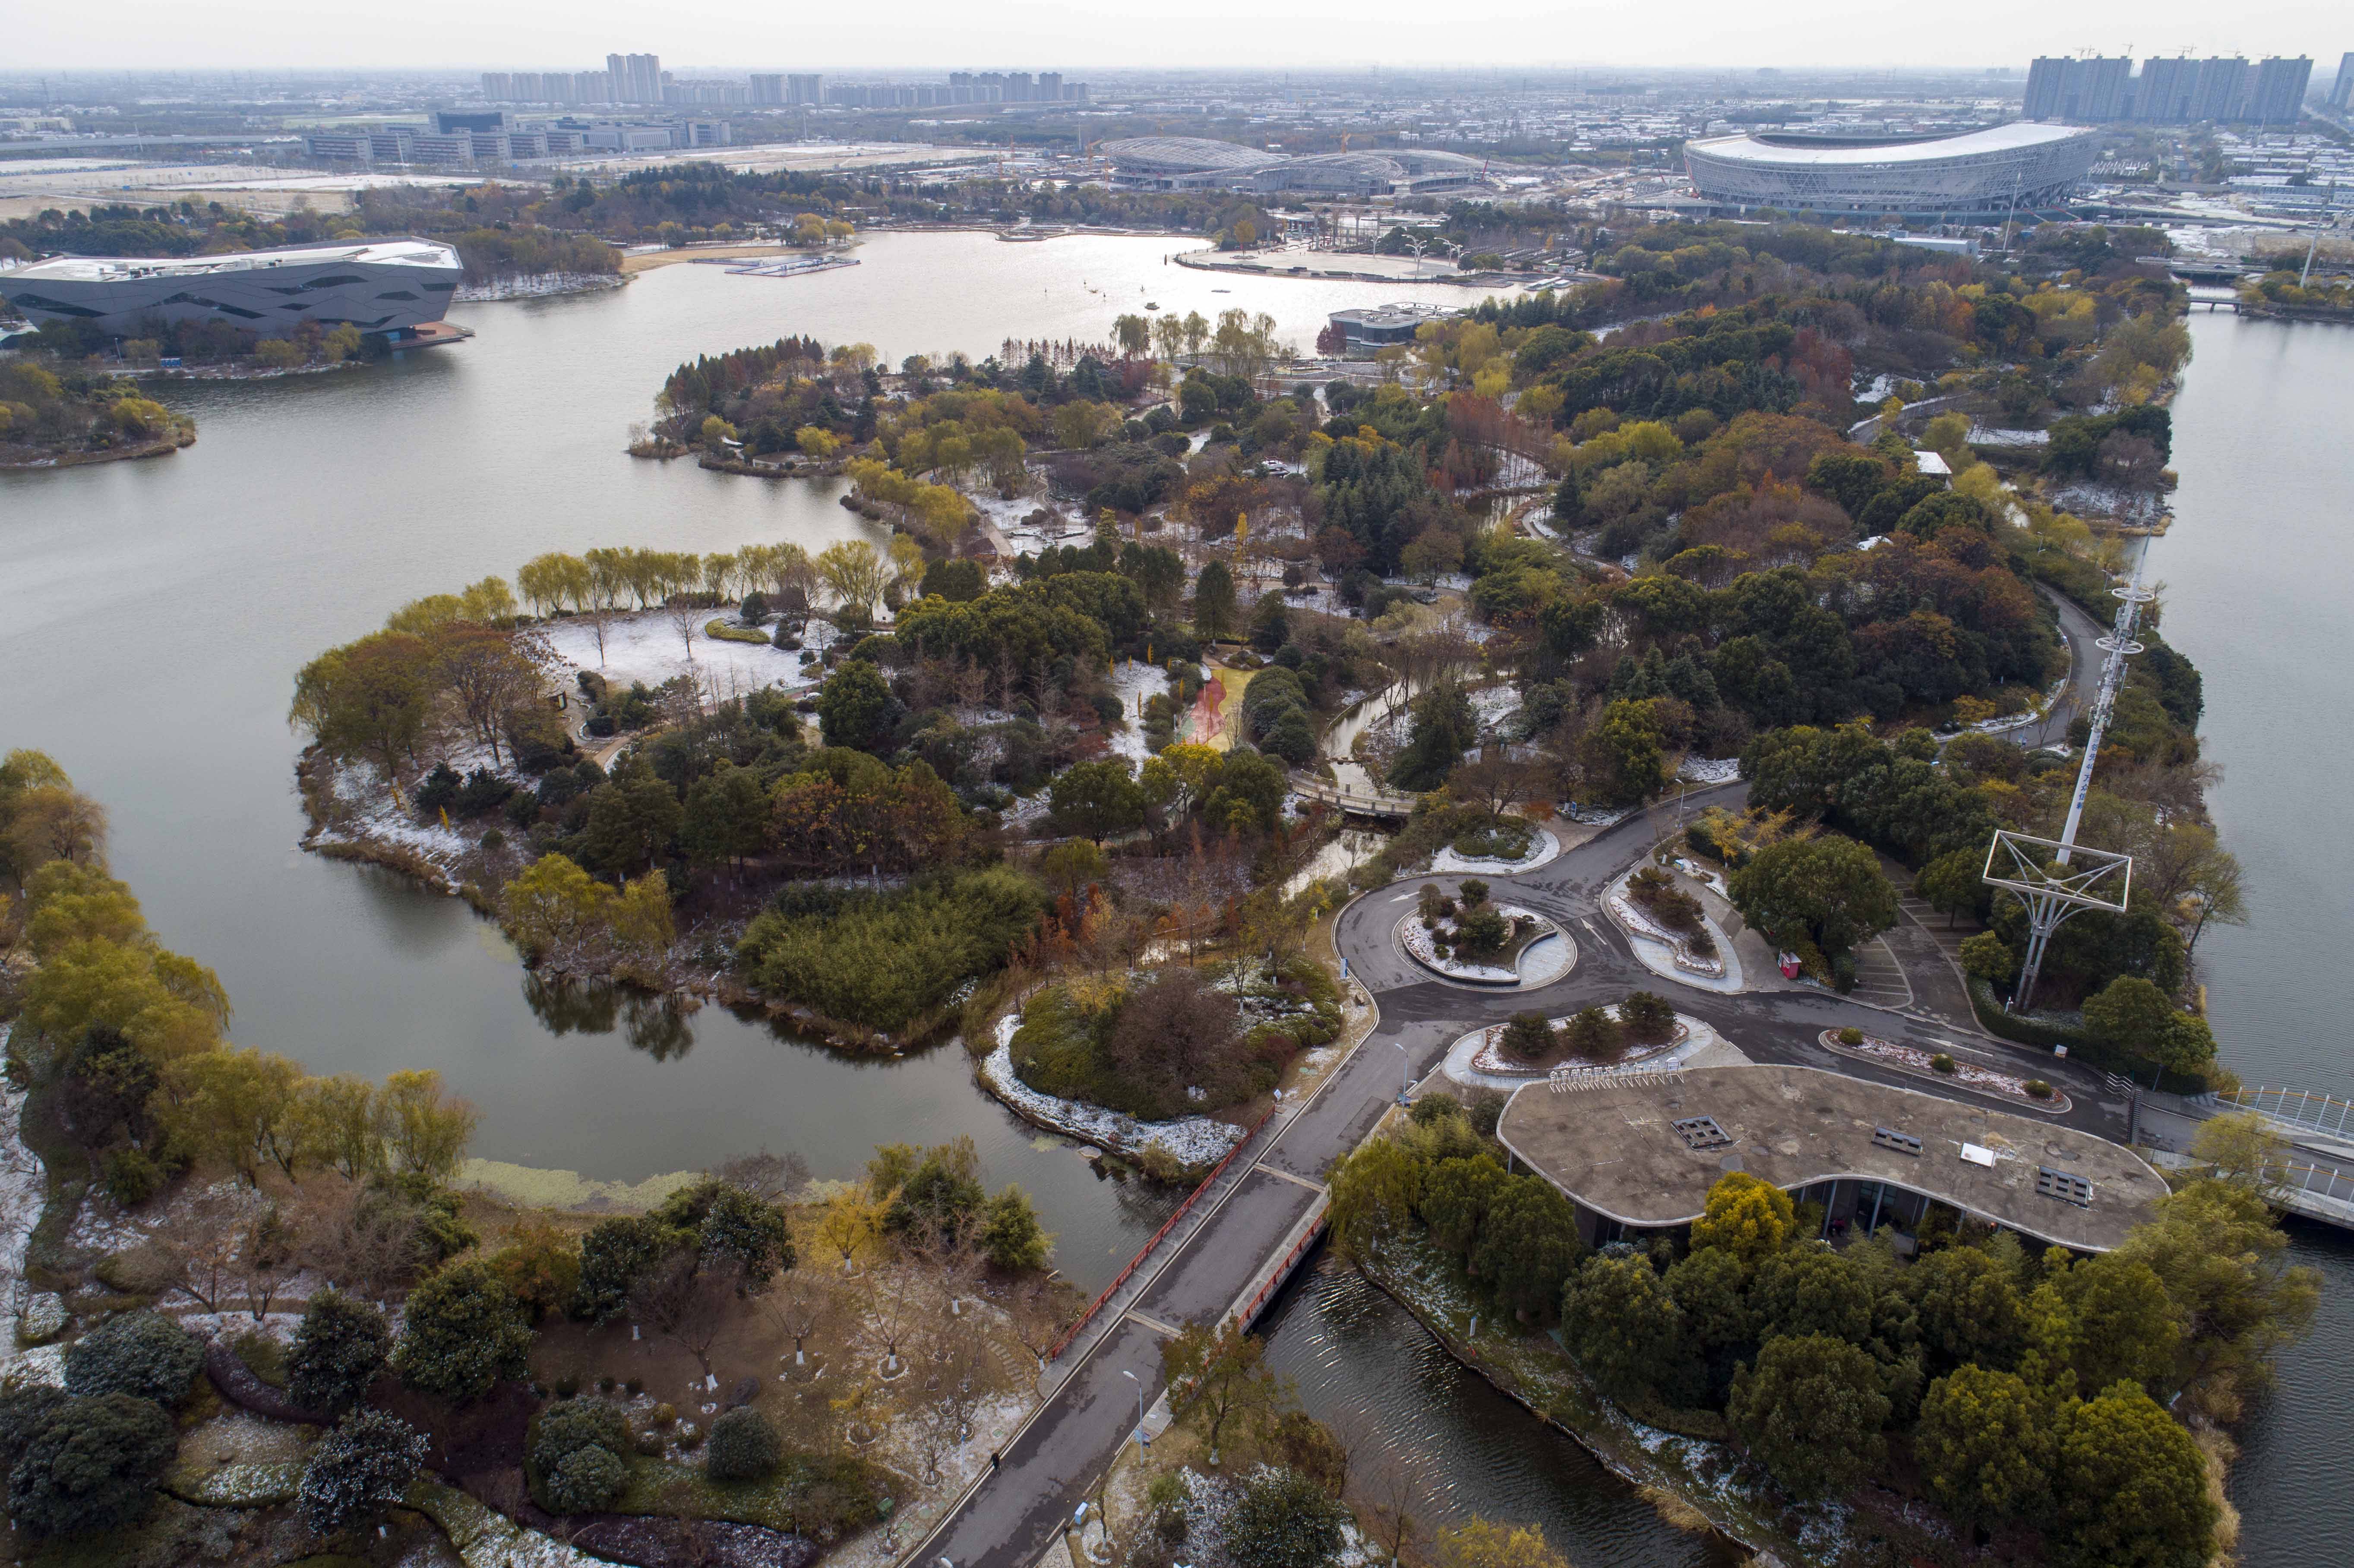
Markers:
point(2056, 878)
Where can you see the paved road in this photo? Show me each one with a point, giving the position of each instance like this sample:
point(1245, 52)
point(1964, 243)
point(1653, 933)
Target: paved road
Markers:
point(1018, 1510)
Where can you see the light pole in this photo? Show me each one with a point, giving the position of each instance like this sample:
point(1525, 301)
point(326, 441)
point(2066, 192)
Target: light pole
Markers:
point(1406, 1071)
point(1142, 1440)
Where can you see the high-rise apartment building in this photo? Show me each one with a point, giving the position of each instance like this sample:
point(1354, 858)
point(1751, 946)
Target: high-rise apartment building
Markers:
point(2220, 89)
point(636, 79)
point(2086, 91)
point(2342, 90)
point(804, 87)
point(766, 88)
point(2278, 97)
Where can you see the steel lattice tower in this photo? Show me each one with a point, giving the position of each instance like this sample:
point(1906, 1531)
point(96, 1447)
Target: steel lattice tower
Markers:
point(2055, 878)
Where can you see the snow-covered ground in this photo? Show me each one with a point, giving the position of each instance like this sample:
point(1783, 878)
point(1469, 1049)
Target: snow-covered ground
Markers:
point(1665, 955)
point(1472, 1062)
point(1546, 847)
point(1196, 1139)
point(1420, 948)
point(536, 286)
point(373, 816)
point(24, 1186)
point(1709, 769)
point(645, 646)
point(1135, 683)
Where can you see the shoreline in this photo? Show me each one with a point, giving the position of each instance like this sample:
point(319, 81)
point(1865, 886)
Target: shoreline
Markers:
point(162, 446)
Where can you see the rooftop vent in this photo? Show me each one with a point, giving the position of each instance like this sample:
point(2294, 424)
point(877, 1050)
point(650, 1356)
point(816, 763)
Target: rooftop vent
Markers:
point(2064, 1185)
point(1902, 1142)
point(1702, 1132)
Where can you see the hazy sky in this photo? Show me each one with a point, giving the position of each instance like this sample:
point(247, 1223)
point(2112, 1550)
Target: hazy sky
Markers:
point(914, 34)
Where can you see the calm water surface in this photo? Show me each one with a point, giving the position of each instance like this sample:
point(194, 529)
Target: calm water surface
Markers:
point(2259, 594)
point(153, 616)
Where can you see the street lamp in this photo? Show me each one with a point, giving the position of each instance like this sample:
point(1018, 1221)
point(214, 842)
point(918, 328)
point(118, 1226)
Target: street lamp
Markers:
point(1406, 1071)
point(1142, 1440)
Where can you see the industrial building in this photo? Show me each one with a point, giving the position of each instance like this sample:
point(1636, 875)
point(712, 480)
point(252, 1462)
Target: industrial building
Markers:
point(1199, 162)
point(2169, 91)
point(1637, 1153)
point(1975, 174)
point(390, 286)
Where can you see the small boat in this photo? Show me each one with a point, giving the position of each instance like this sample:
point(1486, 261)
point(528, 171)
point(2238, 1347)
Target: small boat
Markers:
point(1152, 305)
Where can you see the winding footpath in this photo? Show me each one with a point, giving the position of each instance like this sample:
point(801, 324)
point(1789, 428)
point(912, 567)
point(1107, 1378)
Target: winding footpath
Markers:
point(1271, 1195)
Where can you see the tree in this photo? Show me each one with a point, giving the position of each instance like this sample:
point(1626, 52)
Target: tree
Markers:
point(1373, 1193)
point(361, 1468)
point(1528, 1246)
point(1967, 1306)
point(233, 1107)
point(368, 699)
point(425, 1131)
point(632, 822)
point(1527, 1037)
point(1952, 886)
point(2133, 1489)
point(1621, 1323)
point(855, 708)
point(1455, 1198)
point(614, 1254)
point(1827, 892)
point(1011, 1233)
point(744, 1447)
point(857, 574)
point(2095, 1321)
point(1284, 1519)
point(1479, 1544)
point(143, 1354)
point(1214, 602)
point(541, 1266)
point(2220, 1253)
point(464, 1332)
point(2133, 1015)
point(688, 1302)
point(1811, 1411)
point(1811, 1290)
point(90, 1466)
point(2243, 1148)
point(1709, 1287)
point(1215, 1375)
point(1099, 799)
point(1989, 958)
point(340, 1349)
point(1745, 1215)
point(1986, 1443)
point(730, 1226)
point(725, 817)
point(487, 677)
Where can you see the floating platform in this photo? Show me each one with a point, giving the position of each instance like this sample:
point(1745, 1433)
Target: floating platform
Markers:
point(783, 267)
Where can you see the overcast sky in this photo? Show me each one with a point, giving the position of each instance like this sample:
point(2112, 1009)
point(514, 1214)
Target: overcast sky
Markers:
point(927, 35)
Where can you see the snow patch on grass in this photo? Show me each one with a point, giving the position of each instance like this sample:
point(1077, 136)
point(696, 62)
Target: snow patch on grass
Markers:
point(1194, 1139)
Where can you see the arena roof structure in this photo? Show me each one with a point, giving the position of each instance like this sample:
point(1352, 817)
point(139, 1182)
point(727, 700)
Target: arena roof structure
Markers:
point(1977, 173)
point(378, 285)
point(1198, 163)
point(1643, 1149)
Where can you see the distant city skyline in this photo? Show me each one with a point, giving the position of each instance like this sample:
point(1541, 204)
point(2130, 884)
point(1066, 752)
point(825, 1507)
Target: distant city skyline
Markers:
point(1308, 35)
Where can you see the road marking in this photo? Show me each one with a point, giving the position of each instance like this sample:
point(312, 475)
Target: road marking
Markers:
point(1287, 1176)
point(1155, 1324)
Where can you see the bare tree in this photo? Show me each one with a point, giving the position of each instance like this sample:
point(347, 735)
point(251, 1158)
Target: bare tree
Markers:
point(1040, 1315)
point(270, 1255)
point(685, 615)
point(202, 1248)
point(892, 1310)
point(1387, 1493)
point(801, 1303)
point(688, 1303)
point(367, 1244)
point(772, 1178)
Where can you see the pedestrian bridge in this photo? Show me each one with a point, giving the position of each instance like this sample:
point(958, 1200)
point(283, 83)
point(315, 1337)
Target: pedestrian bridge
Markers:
point(1383, 804)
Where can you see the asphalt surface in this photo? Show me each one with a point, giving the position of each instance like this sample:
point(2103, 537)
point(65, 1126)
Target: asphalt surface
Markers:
point(1020, 1509)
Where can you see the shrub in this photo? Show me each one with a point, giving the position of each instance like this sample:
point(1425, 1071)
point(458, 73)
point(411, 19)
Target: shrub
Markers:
point(143, 1354)
point(25, 1408)
point(465, 1331)
point(90, 1466)
point(744, 1447)
point(1594, 1036)
point(1474, 892)
point(650, 1443)
point(264, 1357)
point(563, 1430)
point(589, 1479)
point(663, 1414)
point(614, 1256)
point(542, 1266)
point(1284, 1519)
point(1941, 1063)
point(1481, 933)
point(132, 1177)
point(361, 1468)
point(1850, 1035)
point(339, 1351)
point(2038, 1089)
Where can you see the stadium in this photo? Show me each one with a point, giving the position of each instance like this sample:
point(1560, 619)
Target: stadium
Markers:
point(392, 286)
point(1977, 174)
point(1197, 163)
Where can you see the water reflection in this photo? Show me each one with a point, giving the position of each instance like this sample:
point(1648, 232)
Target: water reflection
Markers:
point(656, 1025)
point(1458, 1446)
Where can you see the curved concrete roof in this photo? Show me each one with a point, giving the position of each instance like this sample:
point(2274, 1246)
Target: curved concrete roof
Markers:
point(1831, 152)
point(1185, 154)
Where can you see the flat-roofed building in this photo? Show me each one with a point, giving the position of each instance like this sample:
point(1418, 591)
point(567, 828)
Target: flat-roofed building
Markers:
point(381, 285)
point(1639, 1153)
